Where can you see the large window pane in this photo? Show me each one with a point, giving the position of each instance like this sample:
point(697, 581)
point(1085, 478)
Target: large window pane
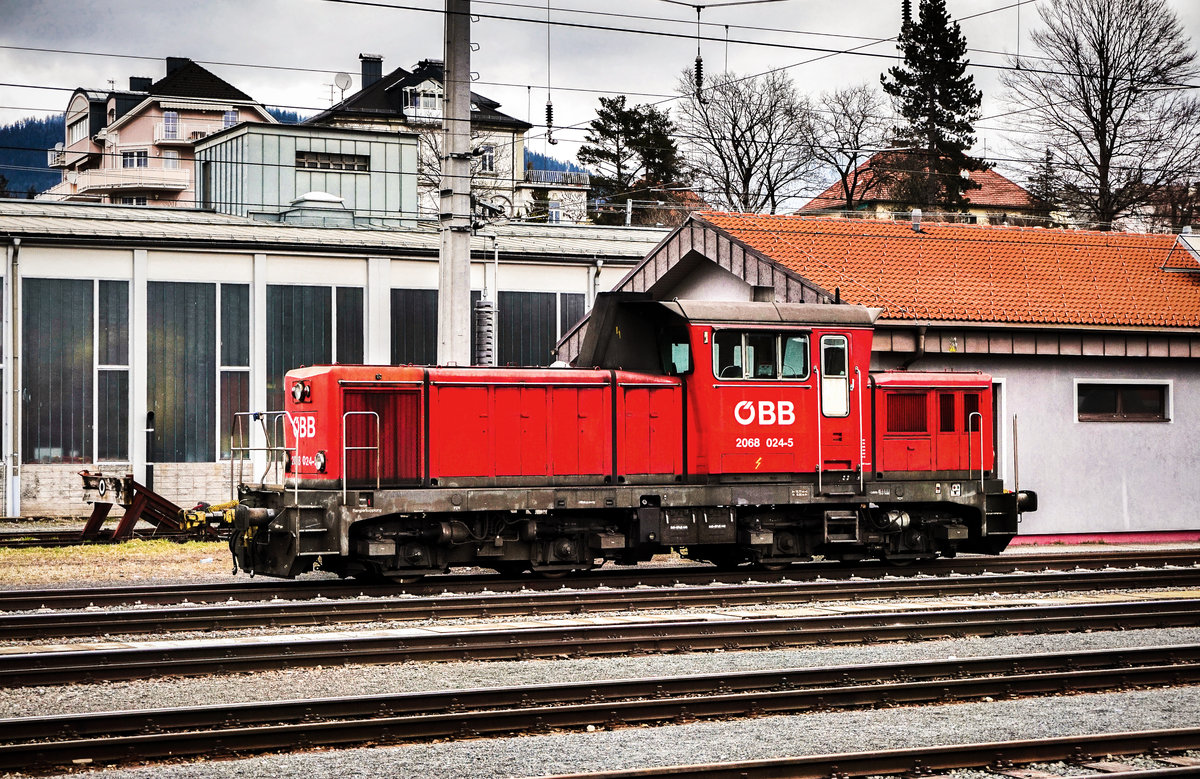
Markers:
point(298, 333)
point(414, 326)
point(235, 324)
point(112, 415)
point(349, 325)
point(527, 328)
point(181, 374)
point(56, 371)
point(571, 310)
point(114, 323)
point(235, 397)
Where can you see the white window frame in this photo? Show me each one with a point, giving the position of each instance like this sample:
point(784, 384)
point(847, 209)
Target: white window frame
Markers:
point(170, 159)
point(141, 158)
point(97, 367)
point(1169, 410)
point(229, 118)
point(487, 158)
point(171, 125)
point(77, 130)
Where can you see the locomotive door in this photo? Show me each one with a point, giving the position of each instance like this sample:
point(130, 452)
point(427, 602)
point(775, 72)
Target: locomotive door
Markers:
point(840, 445)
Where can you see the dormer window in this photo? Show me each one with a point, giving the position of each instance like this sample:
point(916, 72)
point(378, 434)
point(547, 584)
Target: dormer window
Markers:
point(77, 130)
point(423, 101)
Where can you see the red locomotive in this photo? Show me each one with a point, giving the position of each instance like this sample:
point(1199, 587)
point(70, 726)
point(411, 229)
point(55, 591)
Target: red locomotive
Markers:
point(747, 432)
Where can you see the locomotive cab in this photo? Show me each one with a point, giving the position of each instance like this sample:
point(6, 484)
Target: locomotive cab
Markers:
point(732, 432)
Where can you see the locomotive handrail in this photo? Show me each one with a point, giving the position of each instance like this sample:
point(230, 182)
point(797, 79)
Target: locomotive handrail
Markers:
point(376, 447)
point(862, 486)
point(271, 449)
point(971, 417)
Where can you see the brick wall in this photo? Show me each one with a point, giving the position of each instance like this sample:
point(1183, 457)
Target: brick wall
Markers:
point(57, 491)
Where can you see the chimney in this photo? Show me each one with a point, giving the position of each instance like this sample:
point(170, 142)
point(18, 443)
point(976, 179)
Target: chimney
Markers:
point(175, 63)
point(916, 220)
point(140, 83)
point(372, 68)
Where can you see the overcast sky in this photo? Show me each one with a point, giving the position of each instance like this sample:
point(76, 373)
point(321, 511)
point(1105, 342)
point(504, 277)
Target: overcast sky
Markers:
point(605, 55)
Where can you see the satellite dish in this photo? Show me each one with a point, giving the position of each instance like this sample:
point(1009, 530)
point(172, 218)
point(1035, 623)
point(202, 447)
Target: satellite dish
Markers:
point(58, 146)
point(343, 81)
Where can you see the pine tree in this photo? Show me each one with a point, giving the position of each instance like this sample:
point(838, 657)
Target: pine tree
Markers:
point(939, 103)
point(1044, 184)
point(629, 148)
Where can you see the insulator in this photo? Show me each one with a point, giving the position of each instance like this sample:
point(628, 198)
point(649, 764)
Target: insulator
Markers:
point(699, 73)
point(550, 122)
point(485, 332)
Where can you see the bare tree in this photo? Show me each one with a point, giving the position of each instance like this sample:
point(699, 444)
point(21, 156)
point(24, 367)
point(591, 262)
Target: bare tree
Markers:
point(492, 172)
point(744, 140)
point(1112, 104)
point(849, 126)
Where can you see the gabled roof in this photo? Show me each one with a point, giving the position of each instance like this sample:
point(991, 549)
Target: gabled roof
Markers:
point(995, 191)
point(386, 98)
point(949, 272)
point(191, 80)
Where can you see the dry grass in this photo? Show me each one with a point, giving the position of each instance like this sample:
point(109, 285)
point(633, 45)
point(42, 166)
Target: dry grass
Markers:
point(133, 562)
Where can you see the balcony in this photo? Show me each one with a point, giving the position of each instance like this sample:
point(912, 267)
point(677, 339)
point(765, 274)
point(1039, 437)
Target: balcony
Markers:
point(56, 158)
point(184, 133)
point(557, 178)
point(144, 179)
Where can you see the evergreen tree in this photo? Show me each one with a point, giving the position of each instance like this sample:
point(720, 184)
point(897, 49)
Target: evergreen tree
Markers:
point(939, 103)
point(3, 185)
point(1044, 184)
point(629, 148)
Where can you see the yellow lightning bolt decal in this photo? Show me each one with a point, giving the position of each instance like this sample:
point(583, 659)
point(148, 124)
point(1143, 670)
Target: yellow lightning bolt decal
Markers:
point(757, 463)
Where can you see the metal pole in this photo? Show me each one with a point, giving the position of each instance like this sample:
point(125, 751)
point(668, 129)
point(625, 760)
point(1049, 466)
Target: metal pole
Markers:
point(454, 285)
point(150, 450)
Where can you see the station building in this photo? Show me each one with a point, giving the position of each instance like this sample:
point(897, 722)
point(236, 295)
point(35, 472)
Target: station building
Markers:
point(120, 312)
point(1092, 339)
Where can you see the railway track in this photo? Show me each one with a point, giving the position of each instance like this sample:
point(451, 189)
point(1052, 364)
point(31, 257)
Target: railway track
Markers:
point(59, 665)
point(253, 727)
point(25, 539)
point(43, 626)
point(1091, 753)
point(105, 597)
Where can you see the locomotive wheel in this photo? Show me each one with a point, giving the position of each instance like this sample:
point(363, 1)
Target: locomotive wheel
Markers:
point(402, 578)
point(772, 565)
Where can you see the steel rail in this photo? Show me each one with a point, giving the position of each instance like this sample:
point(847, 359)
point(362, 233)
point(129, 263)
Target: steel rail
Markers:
point(20, 600)
point(918, 762)
point(59, 665)
point(52, 539)
point(42, 626)
point(176, 732)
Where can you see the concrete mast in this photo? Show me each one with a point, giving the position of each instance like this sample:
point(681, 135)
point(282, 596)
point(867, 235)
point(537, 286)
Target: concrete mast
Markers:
point(454, 285)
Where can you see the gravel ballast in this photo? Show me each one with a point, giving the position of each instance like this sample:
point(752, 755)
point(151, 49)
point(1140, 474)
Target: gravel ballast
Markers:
point(702, 742)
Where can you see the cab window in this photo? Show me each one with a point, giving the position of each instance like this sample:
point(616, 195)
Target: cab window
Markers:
point(676, 352)
point(760, 355)
point(727, 354)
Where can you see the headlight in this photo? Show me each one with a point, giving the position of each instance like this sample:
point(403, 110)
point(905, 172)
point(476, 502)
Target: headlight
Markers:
point(320, 461)
point(298, 391)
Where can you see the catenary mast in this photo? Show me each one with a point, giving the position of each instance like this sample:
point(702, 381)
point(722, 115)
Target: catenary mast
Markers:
point(454, 285)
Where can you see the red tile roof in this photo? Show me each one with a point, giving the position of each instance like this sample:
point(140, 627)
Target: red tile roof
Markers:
point(995, 191)
point(979, 274)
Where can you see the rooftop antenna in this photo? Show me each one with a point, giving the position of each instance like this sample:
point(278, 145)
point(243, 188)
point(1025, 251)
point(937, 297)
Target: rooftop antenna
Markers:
point(343, 82)
point(549, 104)
point(699, 69)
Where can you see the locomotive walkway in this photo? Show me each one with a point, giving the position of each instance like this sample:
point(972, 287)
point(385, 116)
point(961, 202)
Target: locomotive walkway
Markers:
point(579, 638)
point(251, 727)
point(363, 609)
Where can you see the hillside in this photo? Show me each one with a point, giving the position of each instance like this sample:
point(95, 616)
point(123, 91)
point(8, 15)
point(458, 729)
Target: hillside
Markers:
point(23, 146)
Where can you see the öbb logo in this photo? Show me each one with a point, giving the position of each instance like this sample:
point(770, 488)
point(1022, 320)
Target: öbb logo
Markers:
point(766, 412)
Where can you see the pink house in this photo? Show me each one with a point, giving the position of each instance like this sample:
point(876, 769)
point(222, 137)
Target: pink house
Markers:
point(135, 147)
